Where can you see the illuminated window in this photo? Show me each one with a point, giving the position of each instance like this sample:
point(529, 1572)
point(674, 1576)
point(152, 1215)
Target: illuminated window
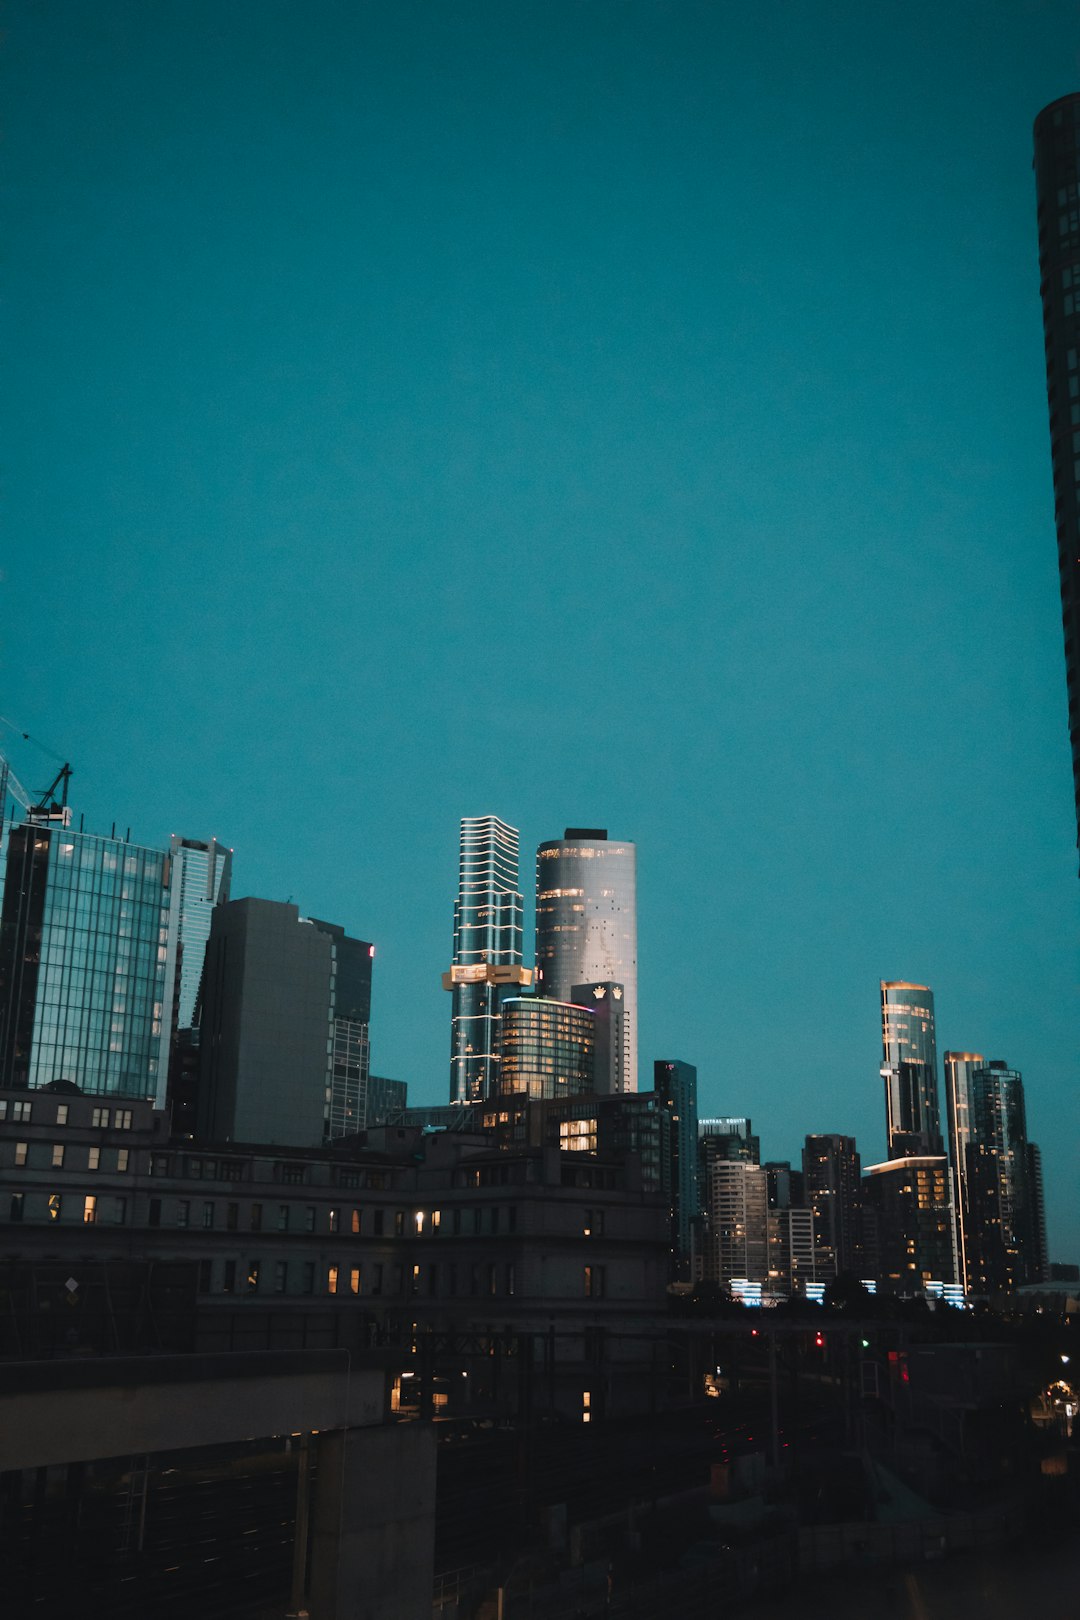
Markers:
point(89, 1213)
point(122, 1159)
point(58, 1157)
point(56, 1205)
point(332, 1280)
point(62, 1114)
point(21, 1150)
point(354, 1280)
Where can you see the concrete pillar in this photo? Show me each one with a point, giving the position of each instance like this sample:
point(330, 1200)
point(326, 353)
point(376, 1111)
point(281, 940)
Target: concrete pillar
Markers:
point(373, 1524)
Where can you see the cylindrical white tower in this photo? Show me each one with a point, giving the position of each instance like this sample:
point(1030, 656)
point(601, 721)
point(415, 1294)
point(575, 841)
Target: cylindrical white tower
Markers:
point(586, 922)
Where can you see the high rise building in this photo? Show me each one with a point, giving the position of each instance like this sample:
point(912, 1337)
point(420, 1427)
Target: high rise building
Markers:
point(586, 922)
point(486, 967)
point(792, 1252)
point(1057, 182)
point(737, 1211)
point(199, 880)
point(958, 1069)
point(606, 1001)
point(547, 1049)
point(1006, 1243)
point(727, 1136)
point(675, 1084)
point(831, 1179)
point(909, 1068)
point(284, 1033)
point(86, 962)
point(785, 1185)
point(911, 1201)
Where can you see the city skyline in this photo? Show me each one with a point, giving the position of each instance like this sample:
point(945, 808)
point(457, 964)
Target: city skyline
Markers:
point(621, 414)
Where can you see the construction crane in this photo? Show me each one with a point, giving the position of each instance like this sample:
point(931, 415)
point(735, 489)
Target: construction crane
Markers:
point(43, 808)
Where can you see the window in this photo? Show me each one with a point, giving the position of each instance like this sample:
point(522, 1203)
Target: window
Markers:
point(206, 1276)
point(154, 1218)
point(594, 1223)
point(122, 1159)
point(433, 1280)
point(62, 1114)
point(331, 1279)
point(20, 1112)
point(283, 1218)
point(232, 1217)
point(355, 1223)
point(436, 1221)
point(183, 1212)
point(377, 1223)
point(121, 1119)
point(16, 1212)
point(333, 1218)
point(58, 1157)
point(256, 1217)
point(159, 1164)
point(93, 1158)
point(399, 1223)
point(208, 1214)
point(309, 1218)
point(491, 1275)
point(594, 1282)
point(56, 1206)
point(3, 1108)
point(510, 1279)
point(376, 1277)
point(89, 1213)
point(119, 1211)
point(99, 1119)
point(308, 1286)
point(228, 1283)
point(354, 1280)
point(20, 1152)
point(415, 1288)
point(253, 1276)
point(281, 1276)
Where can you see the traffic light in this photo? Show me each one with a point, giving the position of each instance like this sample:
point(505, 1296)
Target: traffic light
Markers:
point(819, 1340)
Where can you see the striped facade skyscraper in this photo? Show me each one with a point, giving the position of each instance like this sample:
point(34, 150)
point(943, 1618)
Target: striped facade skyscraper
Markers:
point(487, 962)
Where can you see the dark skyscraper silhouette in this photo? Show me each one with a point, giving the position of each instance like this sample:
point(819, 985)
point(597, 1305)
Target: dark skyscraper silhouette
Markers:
point(1057, 178)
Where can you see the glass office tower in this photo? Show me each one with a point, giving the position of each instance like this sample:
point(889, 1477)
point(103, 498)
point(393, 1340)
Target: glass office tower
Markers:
point(1005, 1239)
point(586, 922)
point(85, 985)
point(486, 965)
point(909, 1068)
point(1057, 182)
point(958, 1071)
point(199, 881)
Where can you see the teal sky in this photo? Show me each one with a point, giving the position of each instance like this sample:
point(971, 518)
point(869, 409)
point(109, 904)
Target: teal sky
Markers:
point(592, 412)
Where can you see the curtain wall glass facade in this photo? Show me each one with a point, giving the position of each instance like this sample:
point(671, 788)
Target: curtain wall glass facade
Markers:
point(84, 954)
point(586, 923)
